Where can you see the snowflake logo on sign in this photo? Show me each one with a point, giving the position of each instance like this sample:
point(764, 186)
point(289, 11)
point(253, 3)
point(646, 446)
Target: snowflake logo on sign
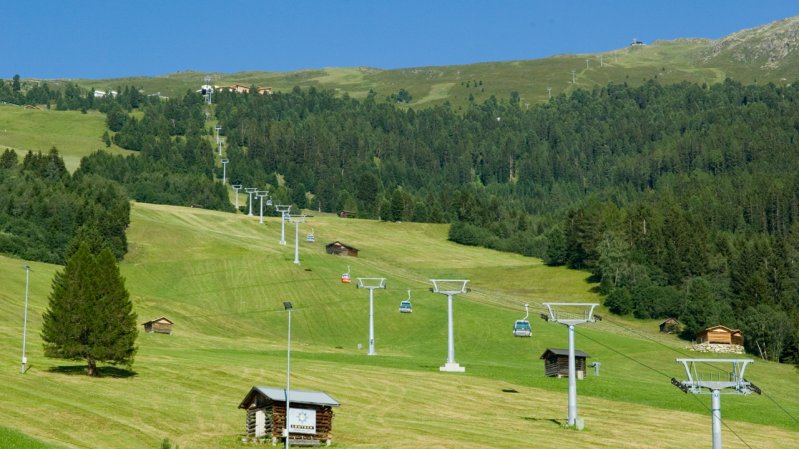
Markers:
point(302, 417)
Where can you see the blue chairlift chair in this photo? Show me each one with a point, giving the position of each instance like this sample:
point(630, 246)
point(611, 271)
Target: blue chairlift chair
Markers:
point(406, 306)
point(521, 328)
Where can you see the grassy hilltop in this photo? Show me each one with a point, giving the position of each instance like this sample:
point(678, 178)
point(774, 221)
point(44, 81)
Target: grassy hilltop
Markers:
point(222, 278)
point(763, 54)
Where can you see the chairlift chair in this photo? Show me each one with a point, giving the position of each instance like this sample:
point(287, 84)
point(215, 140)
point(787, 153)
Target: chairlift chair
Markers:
point(310, 237)
point(405, 306)
point(345, 278)
point(521, 328)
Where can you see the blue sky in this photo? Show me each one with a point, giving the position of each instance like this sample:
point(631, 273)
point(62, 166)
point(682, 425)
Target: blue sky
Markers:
point(104, 39)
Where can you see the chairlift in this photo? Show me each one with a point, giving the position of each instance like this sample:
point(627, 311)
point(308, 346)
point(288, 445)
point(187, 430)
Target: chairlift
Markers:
point(405, 306)
point(521, 328)
point(310, 237)
point(345, 278)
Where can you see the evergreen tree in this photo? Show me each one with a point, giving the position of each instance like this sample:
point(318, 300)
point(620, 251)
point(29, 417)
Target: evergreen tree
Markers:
point(9, 158)
point(89, 315)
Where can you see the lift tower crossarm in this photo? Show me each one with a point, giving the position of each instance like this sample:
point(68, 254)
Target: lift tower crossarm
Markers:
point(731, 383)
point(735, 381)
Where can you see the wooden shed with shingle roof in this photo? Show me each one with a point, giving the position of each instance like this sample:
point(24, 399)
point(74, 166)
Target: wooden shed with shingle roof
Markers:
point(161, 325)
point(556, 362)
point(720, 335)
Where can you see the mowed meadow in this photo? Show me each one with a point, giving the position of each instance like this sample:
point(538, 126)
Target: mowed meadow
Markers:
point(72, 133)
point(222, 279)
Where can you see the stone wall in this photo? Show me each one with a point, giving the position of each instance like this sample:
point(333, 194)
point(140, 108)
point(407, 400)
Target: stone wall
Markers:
point(717, 348)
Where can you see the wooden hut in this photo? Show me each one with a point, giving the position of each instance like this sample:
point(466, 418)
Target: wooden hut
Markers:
point(670, 326)
point(340, 249)
point(721, 335)
point(159, 325)
point(556, 362)
point(346, 214)
point(311, 415)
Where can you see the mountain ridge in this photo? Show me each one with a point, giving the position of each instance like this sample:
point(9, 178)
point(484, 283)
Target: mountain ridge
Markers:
point(767, 53)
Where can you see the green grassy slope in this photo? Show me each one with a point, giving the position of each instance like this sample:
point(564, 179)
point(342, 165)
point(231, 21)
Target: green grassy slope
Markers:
point(11, 439)
point(222, 278)
point(74, 134)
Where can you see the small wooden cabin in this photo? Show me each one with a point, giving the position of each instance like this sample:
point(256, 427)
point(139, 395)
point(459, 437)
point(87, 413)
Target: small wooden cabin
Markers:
point(556, 362)
point(311, 414)
point(721, 335)
point(159, 325)
point(340, 249)
point(346, 214)
point(670, 326)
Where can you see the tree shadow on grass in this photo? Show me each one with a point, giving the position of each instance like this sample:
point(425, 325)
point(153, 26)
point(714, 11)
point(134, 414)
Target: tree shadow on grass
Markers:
point(102, 371)
point(557, 421)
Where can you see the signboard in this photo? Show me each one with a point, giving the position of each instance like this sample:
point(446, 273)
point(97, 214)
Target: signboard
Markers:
point(302, 420)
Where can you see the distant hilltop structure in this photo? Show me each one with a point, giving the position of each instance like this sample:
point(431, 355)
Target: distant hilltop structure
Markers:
point(240, 88)
point(636, 42)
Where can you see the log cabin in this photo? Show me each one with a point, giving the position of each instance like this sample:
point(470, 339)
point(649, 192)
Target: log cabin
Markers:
point(311, 414)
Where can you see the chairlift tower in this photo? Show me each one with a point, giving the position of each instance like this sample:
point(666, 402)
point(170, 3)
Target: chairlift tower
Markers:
point(450, 287)
point(297, 219)
point(729, 383)
point(217, 128)
point(549, 93)
point(219, 144)
point(208, 89)
point(283, 209)
point(236, 188)
point(371, 284)
point(565, 313)
point(224, 170)
point(261, 194)
point(250, 191)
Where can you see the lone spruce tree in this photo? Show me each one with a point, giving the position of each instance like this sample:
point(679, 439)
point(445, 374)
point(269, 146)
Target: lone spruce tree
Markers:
point(90, 316)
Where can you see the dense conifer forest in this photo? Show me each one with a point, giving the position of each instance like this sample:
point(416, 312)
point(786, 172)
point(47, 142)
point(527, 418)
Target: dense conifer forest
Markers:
point(680, 200)
point(45, 211)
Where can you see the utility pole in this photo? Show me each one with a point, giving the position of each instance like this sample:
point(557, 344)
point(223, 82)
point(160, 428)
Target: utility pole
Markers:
point(450, 287)
point(236, 188)
point(250, 191)
point(734, 381)
point(224, 170)
point(283, 209)
point(287, 306)
point(25, 319)
point(570, 315)
point(371, 284)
